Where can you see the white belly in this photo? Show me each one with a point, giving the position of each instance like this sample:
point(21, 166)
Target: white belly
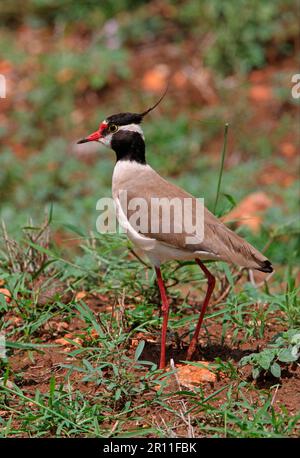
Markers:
point(157, 252)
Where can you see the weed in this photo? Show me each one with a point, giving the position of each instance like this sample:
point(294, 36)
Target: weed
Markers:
point(284, 349)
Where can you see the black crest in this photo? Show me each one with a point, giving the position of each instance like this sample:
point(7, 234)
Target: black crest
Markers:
point(122, 119)
point(119, 119)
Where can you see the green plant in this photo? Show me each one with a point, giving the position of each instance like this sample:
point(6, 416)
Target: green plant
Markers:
point(285, 349)
point(238, 45)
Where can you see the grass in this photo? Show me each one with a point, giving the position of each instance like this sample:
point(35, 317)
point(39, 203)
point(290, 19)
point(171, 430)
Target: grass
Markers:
point(100, 382)
point(83, 325)
point(221, 167)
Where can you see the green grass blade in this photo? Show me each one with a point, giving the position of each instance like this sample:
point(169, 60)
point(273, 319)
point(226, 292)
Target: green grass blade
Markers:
point(222, 165)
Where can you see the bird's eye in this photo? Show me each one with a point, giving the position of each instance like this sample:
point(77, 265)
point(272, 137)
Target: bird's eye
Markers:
point(113, 128)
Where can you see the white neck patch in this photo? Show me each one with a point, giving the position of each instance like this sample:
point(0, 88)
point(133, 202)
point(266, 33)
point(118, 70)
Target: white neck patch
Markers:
point(129, 127)
point(133, 128)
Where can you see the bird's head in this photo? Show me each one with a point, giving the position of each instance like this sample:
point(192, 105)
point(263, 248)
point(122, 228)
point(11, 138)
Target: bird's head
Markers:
point(116, 126)
point(121, 132)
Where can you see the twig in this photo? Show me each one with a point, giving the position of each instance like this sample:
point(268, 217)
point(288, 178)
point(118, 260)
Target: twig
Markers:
point(253, 282)
point(274, 395)
point(113, 428)
point(8, 246)
point(139, 258)
point(183, 413)
point(222, 165)
point(225, 293)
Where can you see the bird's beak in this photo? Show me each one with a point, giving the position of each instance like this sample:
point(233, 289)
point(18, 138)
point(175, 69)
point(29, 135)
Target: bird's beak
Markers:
point(94, 137)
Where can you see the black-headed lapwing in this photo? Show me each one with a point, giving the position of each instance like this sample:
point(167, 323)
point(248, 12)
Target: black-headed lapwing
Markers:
point(122, 132)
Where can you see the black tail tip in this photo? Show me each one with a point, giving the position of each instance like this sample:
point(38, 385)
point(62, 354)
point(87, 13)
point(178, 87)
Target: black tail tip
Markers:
point(266, 266)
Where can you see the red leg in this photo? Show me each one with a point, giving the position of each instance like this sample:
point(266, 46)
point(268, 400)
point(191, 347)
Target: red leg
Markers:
point(211, 284)
point(165, 312)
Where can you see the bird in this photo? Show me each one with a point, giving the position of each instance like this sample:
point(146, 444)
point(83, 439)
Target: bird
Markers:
point(122, 132)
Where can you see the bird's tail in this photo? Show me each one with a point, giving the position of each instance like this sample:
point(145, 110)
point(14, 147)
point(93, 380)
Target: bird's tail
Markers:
point(243, 253)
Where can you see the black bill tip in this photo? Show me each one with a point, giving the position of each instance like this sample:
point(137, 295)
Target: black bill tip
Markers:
point(83, 140)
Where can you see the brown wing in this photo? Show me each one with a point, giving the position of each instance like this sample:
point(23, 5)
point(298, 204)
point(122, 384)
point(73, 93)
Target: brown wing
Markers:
point(218, 239)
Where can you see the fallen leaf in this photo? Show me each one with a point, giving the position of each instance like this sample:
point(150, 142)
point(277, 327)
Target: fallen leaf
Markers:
point(57, 326)
point(16, 320)
point(5, 66)
point(249, 212)
point(272, 174)
point(77, 340)
point(48, 290)
point(192, 376)
point(6, 293)
point(134, 342)
point(80, 295)
point(261, 93)
point(288, 150)
point(156, 79)
point(62, 325)
point(62, 341)
point(141, 336)
point(8, 383)
point(257, 76)
point(70, 336)
point(94, 334)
